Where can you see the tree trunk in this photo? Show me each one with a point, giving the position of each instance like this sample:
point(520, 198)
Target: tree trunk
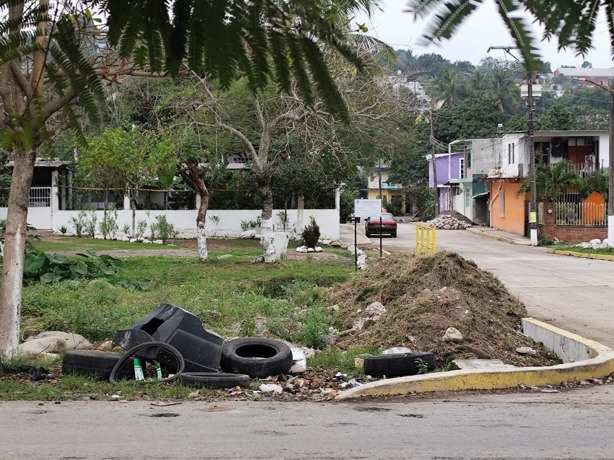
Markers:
point(300, 220)
point(201, 221)
point(194, 176)
point(14, 251)
point(265, 191)
point(132, 195)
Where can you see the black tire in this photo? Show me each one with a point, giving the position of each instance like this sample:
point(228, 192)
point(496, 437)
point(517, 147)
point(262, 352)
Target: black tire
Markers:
point(398, 365)
point(92, 363)
point(145, 351)
point(394, 235)
point(214, 380)
point(256, 357)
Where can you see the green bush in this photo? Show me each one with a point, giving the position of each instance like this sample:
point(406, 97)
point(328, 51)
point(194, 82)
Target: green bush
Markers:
point(311, 234)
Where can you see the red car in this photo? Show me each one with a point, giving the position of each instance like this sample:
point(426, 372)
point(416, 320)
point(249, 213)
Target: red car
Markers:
point(387, 225)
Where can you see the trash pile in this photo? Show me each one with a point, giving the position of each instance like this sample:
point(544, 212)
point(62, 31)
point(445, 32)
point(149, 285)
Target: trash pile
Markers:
point(445, 222)
point(595, 244)
point(171, 344)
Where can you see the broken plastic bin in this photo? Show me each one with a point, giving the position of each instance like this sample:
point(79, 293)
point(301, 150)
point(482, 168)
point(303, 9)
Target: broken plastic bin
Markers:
point(201, 349)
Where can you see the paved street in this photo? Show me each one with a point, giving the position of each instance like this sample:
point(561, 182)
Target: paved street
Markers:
point(570, 425)
point(571, 293)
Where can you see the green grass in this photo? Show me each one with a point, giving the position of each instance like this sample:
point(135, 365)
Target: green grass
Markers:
point(572, 248)
point(232, 297)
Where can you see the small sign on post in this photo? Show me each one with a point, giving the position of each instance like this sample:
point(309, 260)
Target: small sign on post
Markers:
point(368, 208)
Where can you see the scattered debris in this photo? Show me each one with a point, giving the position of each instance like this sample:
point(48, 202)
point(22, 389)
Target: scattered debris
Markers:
point(525, 351)
point(372, 313)
point(596, 244)
point(396, 350)
point(445, 222)
point(271, 388)
point(46, 345)
point(453, 335)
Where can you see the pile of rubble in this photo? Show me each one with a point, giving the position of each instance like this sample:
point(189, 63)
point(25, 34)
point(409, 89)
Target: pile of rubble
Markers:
point(445, 222)
point(596, 244)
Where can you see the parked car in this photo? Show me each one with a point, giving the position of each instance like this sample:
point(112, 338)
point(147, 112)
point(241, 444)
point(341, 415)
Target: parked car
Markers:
point(387, 225)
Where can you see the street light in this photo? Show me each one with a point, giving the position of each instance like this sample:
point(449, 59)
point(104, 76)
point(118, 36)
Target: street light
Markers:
point(610, 90)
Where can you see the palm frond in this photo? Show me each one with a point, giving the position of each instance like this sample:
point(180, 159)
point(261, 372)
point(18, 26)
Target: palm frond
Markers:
point(521, 34)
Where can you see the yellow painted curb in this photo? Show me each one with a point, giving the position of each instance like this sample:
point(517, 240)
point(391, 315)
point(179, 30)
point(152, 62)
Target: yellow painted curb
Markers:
point(600, 364)
point(584, 255)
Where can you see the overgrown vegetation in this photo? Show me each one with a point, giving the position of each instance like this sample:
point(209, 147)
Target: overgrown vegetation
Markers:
point(43, 268)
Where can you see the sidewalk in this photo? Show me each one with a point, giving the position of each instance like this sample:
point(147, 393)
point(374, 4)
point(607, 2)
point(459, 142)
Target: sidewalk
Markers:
point(346, 234)
point(500, 235)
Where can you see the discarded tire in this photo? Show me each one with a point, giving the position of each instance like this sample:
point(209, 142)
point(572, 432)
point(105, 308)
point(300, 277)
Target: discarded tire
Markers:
point(398, 365)
point(214, 380)
point(145, 351)
point(256, 357)
point(93, 363)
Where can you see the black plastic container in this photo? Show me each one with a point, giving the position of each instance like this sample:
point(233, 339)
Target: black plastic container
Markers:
point(201, 349)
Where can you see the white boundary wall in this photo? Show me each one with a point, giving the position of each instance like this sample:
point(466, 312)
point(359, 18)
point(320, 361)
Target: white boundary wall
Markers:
point(229, 225)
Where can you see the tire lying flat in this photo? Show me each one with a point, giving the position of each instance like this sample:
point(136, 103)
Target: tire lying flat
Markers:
point(214, 380)
point(400, 364)
point(256, 357)
point(93, 363)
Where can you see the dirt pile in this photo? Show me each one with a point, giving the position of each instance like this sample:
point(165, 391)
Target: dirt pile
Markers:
point(423, 297)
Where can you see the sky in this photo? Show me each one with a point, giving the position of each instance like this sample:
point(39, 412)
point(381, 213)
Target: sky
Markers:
point(471, 42)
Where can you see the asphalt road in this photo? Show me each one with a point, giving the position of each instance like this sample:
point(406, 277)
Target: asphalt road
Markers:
point(572, 293)
point(570, 425)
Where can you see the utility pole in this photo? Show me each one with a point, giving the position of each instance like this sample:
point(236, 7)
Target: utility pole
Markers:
point(611, 167)
point(532, 185)
point(434, 166)
point(530, 135)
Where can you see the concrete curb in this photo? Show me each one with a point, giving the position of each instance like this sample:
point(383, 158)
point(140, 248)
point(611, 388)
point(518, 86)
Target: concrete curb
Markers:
point(584, 359)
point(584, 255)
point(493, 236)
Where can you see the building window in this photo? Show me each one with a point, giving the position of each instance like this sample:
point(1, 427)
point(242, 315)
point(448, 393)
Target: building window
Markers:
point(501, 203)
point(461, 168)
point(511, 153)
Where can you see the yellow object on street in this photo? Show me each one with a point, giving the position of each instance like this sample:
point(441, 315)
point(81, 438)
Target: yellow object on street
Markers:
point(426, 240)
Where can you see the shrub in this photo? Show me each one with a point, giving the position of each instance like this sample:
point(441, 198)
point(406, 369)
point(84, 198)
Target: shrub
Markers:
point(311, 234)
point(79, 223)
point(108, 225)
point(164, 229)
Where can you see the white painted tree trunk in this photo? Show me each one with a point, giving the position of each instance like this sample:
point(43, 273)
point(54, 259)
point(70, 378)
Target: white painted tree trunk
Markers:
point(300, 216)
point(14, 252)
point(201, 242)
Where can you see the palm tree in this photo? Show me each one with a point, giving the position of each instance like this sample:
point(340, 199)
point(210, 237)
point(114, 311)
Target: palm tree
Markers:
point(503, 87)
point(572, 22)
point(450, 86)
point(551, 181)
point(478, 81)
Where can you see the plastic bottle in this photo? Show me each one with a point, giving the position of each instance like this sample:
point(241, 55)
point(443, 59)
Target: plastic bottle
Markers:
point(138, 370)
point(158, 371)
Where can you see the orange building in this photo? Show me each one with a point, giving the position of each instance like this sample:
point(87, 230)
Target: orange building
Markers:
point(507, 207)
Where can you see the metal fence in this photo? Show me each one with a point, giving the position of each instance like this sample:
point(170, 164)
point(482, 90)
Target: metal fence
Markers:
point(571, 213)
point(40, 197)
point(426, 240)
